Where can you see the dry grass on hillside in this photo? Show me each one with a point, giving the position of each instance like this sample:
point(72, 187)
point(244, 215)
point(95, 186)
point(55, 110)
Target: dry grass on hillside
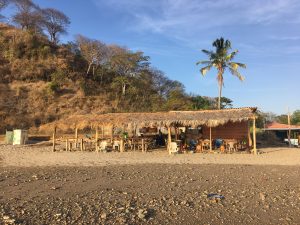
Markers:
point(24, 105)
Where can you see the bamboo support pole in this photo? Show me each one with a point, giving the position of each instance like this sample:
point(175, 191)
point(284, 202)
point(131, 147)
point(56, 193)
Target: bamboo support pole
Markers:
point(112, 134)
point(53, 140)
point(81, 144)
point(132, 147)
point(96, 140)
point(135, 130)
point(67, 144)
point(210, 139)
point(176, 133)
point(102, 132)
point(249, 136)
point(169, 140)
point(254, 136)
point(143, 145)
point(122, 145)
point(76, 137)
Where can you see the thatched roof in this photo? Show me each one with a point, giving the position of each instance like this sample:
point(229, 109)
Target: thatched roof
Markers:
point(210, 118)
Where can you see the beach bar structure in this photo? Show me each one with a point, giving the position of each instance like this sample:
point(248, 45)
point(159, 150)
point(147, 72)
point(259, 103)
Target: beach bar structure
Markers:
point(225, 123)
point(286, 132)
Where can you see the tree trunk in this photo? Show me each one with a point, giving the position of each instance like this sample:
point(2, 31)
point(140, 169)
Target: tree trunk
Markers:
point(220, 95)
point(123, 89)
point(220, 81)
point(88, 70)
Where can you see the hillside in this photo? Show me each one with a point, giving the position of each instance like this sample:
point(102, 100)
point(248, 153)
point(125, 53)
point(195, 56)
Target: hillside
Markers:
point(27, 96)
point(41, 82)
point(27, 105)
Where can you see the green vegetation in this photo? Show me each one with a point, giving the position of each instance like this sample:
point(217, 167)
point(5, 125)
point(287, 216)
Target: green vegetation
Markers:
point(43, 80)
point(267, 117)
point(295, 118)
point(221, 59)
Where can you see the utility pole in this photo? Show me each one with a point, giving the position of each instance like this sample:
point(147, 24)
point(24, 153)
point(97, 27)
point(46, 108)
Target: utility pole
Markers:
point(289, 131)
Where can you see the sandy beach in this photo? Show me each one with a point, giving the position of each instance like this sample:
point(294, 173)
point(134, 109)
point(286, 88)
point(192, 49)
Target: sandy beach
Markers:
point(39, 186)
point(31, 156)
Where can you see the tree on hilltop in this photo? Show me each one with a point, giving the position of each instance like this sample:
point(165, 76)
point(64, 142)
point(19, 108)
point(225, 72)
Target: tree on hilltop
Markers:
point(55, 23)
point(28, 15)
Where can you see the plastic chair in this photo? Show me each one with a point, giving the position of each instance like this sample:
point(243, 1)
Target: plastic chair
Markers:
point(173, 148)
point(103, 146)
point(116, 145)
point(231, 146)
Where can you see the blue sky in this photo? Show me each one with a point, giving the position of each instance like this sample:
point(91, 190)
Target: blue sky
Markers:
point(173, 32)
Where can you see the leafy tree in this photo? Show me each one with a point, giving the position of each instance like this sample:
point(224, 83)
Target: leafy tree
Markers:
point(28, 15)
point(226, 103)
point(282, 119)
point(265, 118)
point(295, 118)
point(221, 59)
point(55, 22)
point(126, 63)
point(95, 52)
point(199, 102)
point(178, 100)
point(161, 82)
point(269, 116)
point(120, 83)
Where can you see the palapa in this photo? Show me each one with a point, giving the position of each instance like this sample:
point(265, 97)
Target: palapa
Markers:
point(210, 118)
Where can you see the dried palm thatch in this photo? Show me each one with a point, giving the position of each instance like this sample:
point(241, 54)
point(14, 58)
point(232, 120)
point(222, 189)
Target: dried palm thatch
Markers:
point(210, 118)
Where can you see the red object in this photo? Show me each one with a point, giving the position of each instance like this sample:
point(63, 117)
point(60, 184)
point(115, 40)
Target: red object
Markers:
point(281, 126)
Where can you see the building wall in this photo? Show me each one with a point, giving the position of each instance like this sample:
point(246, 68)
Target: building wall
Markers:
point(228, 131)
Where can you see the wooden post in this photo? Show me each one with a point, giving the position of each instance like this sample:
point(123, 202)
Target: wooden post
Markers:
point(102, 132)
point(67, 144)
point(53, 140)
point(176, 133)
point(169, 140)
point(112, 134)
point(249, 136)
point(122, 145)
point(134, 130)
point(96, 140)
point(210, 139)
point(132, 144)
point(76, 137)
point(143, 145)
point(81, 144)
point(254, 136)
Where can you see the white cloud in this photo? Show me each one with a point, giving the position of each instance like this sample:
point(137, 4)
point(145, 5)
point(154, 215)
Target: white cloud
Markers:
point(194, 23)
point(169, 16)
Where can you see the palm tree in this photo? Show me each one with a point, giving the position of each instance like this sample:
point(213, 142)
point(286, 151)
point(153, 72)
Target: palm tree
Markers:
point(221, 59)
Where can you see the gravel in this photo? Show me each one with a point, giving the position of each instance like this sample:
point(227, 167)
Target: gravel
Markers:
point(150, 194)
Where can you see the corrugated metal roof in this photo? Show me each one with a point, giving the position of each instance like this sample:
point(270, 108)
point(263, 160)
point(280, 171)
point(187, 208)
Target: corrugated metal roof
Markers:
point(281, 126)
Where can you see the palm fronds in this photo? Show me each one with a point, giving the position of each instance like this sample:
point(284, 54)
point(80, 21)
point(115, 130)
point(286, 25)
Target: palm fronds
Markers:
point(221, 59)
